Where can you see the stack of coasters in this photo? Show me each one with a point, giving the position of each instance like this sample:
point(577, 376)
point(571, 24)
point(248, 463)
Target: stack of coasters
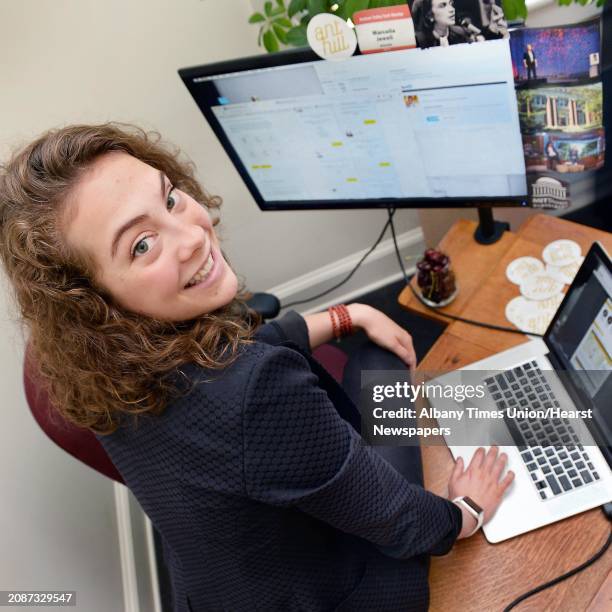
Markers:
point(542, 286)
point(563, 259)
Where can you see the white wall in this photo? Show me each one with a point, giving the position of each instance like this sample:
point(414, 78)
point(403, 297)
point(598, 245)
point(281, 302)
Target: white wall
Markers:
point(86, 60)
point(67, 61)
point(546, 13)
point(57, 517)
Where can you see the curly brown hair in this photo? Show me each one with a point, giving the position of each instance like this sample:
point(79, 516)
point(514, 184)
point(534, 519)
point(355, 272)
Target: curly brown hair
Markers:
point(99, 361)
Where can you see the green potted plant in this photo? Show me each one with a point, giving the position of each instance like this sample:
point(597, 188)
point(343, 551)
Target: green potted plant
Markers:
point(285, 23)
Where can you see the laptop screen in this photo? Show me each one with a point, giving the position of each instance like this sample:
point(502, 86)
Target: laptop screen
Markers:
point(580, 336)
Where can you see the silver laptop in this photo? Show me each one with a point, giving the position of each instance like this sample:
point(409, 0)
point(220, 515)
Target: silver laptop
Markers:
point(562, 466)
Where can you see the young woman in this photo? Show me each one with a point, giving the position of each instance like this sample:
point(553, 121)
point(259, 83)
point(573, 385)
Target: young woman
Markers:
point(242, 450)
point(434, 24)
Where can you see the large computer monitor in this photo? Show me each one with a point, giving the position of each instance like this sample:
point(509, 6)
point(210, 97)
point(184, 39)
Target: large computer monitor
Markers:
point(419, 128)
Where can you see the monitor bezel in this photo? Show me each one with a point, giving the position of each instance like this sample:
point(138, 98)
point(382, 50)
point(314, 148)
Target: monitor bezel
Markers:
point(299, 56)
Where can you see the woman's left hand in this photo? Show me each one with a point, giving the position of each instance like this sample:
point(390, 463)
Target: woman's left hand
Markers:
point(381, 330)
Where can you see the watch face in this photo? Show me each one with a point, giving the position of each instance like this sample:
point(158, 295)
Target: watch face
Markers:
point(470, 502)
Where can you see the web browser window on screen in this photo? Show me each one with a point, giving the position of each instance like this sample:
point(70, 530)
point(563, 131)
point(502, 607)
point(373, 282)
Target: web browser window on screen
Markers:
point(408, 124)
point(594, 352)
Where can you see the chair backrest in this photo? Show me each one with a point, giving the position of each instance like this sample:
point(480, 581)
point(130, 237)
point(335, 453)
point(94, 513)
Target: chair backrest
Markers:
point(81, 443)
point(332, 359)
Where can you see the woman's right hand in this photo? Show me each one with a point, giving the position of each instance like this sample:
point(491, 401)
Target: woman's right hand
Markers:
point(480, 482)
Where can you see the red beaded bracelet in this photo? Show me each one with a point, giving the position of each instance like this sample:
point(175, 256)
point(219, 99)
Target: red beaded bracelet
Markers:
point(348, 328)
point(335, 328)
point(344, 324)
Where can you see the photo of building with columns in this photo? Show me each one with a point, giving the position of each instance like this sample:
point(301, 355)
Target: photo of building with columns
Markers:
point(564, 109)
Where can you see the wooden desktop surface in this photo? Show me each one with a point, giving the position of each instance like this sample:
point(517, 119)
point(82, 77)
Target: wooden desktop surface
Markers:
point(477, 575)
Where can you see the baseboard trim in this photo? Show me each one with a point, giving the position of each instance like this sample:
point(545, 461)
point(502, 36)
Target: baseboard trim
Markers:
point(153, 575)
point(380, 269)
point(126, 549)
point(139, 573)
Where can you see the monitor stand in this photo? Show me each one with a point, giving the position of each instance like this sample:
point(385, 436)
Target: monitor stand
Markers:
point(489, 230)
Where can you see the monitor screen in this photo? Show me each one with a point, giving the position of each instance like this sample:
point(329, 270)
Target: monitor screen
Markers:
point(580, 335)
point(410, 128)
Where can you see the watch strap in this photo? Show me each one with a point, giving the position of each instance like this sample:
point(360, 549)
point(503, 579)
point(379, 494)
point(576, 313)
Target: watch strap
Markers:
point(473, 508)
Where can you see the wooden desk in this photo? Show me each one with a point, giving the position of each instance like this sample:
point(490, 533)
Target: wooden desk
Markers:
point(476, 575)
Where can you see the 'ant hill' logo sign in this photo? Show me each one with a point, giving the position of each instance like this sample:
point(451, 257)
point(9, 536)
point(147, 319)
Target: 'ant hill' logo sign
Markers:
point(331, 37)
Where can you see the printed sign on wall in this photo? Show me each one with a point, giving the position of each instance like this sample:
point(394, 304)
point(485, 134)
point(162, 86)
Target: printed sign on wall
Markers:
point(330, 37)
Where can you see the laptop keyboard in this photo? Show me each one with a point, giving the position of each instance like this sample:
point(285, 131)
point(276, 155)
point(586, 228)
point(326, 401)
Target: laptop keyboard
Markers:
point(550, 448)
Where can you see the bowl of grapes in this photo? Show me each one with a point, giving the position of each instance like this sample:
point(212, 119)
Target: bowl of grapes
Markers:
point(436, 279)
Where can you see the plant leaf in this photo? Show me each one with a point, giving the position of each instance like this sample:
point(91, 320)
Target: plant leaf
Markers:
point(510, 9)
point(256, 18)
point(281, 3)
point(296, 37)
point(283, 21)
point(268, 9)
point(278, 10)
point(270, 42)
point(351, 6)
point(296, 6)
point(383, 3)
point(317, 6)
point(280, 33)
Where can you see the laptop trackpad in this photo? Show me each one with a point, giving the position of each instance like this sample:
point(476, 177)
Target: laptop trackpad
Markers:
point(474, 421)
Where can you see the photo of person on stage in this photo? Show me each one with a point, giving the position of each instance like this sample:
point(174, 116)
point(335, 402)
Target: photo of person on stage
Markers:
point(560, 55)
point(530, 62)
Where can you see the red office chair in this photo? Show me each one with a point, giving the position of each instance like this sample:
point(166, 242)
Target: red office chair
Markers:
point(82, 444)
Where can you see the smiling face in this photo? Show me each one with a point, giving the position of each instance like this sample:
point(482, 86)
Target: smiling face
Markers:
point(148, 240)
point(443, 12)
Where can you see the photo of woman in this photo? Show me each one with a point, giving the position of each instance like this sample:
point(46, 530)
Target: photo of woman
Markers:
point(440, 23)
point(434, 24)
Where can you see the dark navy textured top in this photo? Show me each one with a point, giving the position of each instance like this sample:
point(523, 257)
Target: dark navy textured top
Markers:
point(266, 499)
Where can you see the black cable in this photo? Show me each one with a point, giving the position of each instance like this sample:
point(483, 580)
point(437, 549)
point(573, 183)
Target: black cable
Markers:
point(444, 314)
point(477, 323)
point(397, 252)
point(349, 276)
point(391, 213)
point(554, 581)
